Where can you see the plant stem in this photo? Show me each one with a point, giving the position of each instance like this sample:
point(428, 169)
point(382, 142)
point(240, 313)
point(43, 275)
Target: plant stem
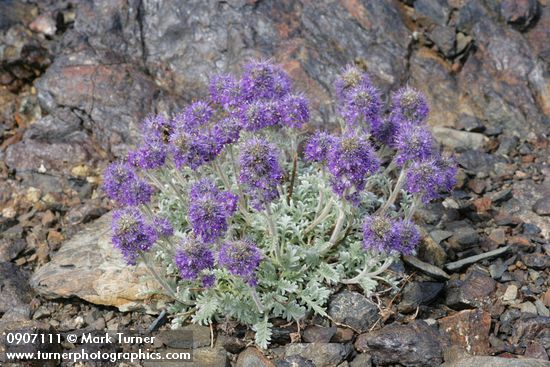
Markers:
point(412, 209)
point(242, 199)
point(257, 300)
point(222, 175)
point(395, 192)
point(324, 213)
point(292, 178)
point(274, 236)
point(365, 273)
point(161, 281)
point(338, 226)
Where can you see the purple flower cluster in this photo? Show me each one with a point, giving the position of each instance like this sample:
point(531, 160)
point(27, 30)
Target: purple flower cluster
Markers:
point(318, 146)
point(266, 98)
point(263, 80)
point(225, 90)
point(350, 160)
point(360, 102)
point(152, 152)
point(240, 258)
point(193, 148)
point(122, 184)
point(260, 172)
point(414, 143)
point(132, 234)
point(209, 210)
point(192, 258)
point(430, 177)
point(163, 227)
point(409, 106)
point(387, 235)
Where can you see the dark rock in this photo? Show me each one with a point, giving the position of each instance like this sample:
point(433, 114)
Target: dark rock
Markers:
point(10, 248)
point(507, 145)
point(474, 291)
point(469, 329)
point(530, 328)
point(415, 344)
point(497, 268)
point(519, 13)
point(419, 293)
point(536, 261)
point(252, 357)
point(477, 161)
point(295, 361)
point(34, 154)
point(507, 319)
point(233, 344)
point(444, 38)
point(468, 122)
point(321, 354)
point(343, 335)
point(536, 351)
point(353, 309)
point(542, 206)
point(529, 228)
point(437, 11)
point(496, 362)
point(465, 237)
point(440, 235)
point(361, 360)
point(501, 196)
point(318, 334)
point(14, 287)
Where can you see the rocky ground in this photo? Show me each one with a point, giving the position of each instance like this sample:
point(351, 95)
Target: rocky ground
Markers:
point(77, 77)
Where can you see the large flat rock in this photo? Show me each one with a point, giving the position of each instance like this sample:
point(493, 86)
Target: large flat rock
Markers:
point(88, 267)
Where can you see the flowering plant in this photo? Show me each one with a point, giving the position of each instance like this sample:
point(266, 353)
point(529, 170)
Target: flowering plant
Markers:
point(236, 218)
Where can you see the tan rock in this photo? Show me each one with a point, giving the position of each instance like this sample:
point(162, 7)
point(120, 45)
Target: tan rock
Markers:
point(88, 267)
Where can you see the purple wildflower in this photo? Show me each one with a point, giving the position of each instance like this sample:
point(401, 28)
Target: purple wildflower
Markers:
point(240, 258)
point(318, 146)
point(192, 257)
point(193, 148)
point(224, 90)
point(294, 111)
point(413, 143)
point(227, 131)
point(377, 233)
point(350, 78)
point(131, 234)
point(385, 131)
point(350, 160)
point(387, 235)
point(409, 106)
point(209, 210)
point(156, 127)
point(260, 171)
point(430, 177)
point(263, 80)
point(195, 115)
point(260, 114)
point(405, 237)
point(151, 155)
point(208, 280)
point(163, 227)
point(122, 184)
point(362, 106)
